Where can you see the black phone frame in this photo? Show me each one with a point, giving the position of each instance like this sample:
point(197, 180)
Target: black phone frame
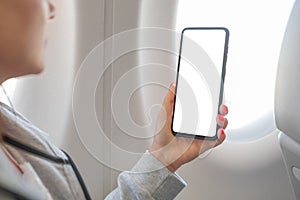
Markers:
point(225, 52)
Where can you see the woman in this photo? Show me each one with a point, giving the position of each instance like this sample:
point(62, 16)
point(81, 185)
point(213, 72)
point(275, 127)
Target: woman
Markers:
point(48, 172)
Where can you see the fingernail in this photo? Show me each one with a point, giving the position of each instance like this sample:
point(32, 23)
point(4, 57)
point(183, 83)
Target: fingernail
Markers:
point(222, 132)
point(226, 108)
point(221, 118)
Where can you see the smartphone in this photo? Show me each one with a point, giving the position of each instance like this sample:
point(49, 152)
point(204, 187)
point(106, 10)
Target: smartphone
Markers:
point(200, 82)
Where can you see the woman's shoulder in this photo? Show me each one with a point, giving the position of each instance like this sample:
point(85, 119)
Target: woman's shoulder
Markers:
point(21, 130)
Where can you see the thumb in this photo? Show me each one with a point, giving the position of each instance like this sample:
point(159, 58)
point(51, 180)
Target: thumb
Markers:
point(169, 100)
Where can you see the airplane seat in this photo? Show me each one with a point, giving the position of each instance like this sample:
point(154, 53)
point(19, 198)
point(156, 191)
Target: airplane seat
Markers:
point(287, 98)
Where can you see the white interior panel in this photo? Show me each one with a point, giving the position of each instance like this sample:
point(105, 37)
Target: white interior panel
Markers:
point(291, 153)
point(288, 78)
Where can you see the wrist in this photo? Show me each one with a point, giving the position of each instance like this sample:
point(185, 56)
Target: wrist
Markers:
point(165, 157)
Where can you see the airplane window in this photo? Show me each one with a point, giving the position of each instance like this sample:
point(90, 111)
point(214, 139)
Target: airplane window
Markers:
point(256, 32)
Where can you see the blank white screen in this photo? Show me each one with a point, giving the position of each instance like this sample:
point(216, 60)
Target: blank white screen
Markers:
point(197, 97)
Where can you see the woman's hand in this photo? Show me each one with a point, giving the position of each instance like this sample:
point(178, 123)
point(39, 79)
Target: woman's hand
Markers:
point(175, 151)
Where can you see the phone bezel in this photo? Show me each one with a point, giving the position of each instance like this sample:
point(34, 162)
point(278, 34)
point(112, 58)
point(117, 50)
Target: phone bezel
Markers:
point(201, 137)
